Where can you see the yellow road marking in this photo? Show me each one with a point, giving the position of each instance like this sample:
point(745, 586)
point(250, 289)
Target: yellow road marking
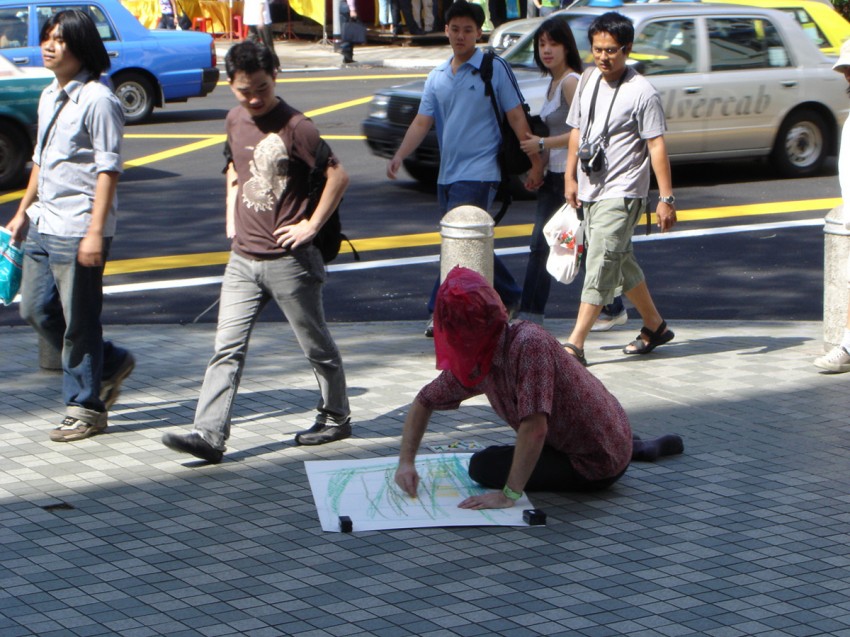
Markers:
point(338, 107)
point(149, 264)
point(424, 239)
point(746, 210)
point(341, 78)
point(213, 140)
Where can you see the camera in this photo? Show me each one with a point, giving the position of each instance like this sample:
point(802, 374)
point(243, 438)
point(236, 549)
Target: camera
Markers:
point(591, 157)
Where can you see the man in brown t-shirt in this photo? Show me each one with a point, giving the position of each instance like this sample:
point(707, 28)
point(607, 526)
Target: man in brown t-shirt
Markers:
point(270, 151)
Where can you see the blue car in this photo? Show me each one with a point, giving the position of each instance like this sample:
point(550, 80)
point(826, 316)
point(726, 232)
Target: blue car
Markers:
point(149, 68)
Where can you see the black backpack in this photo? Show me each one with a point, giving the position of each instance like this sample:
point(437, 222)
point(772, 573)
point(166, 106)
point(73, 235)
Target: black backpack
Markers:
point(330, 237)
point(512, 159)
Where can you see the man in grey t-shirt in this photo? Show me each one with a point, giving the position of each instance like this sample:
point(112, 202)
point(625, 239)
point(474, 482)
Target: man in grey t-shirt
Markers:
point(614, 145)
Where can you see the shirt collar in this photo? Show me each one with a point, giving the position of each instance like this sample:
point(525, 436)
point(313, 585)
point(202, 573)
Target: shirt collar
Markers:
point(73, 88)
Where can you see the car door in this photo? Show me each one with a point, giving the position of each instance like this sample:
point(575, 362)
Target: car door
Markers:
point(752, 83)
point(666, 51)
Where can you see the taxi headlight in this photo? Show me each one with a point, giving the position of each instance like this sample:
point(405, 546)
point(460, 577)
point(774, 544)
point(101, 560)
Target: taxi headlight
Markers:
point(378, 107)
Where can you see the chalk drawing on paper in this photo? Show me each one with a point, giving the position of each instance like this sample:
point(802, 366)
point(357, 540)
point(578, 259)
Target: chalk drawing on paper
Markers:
point(365, 490)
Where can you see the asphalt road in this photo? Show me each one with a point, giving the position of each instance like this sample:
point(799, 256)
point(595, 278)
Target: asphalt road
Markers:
point(171, 205)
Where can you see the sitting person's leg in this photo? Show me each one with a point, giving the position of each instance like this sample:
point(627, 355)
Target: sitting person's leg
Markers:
point(553, 472)
point(651, 450)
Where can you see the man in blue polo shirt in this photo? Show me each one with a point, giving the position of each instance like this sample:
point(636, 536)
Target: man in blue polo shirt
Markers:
point(467, 129)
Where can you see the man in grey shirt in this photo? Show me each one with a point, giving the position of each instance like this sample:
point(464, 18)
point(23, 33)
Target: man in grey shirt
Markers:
point(67, 215)
point(618, 129)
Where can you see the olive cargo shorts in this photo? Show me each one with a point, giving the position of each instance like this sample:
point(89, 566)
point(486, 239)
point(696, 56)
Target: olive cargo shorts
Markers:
point(610, 261)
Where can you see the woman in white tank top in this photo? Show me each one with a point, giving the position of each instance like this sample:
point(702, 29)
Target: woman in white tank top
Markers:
point(556, 53)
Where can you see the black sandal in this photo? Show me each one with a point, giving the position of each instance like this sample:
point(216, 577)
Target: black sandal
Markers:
point(576, 352)
point(658, 337)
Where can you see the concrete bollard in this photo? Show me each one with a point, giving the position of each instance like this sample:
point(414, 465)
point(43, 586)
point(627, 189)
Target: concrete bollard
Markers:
point(836, 250)
point(49, 358)
point(467, 240)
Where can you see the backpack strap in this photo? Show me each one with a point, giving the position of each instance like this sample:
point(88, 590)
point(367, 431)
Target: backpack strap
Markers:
point(486, 72)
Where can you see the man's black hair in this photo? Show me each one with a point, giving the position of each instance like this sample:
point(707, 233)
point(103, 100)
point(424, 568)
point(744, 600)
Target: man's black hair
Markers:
point(558, 30)
point(464, 9)
point(81, 38)
point(248, 57)
point(616, 24)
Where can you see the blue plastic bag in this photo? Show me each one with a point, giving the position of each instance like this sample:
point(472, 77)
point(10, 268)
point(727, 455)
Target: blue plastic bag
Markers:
point(11, 267)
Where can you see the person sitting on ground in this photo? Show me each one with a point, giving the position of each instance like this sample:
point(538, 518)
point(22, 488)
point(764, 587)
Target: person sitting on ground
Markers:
point(572, 433)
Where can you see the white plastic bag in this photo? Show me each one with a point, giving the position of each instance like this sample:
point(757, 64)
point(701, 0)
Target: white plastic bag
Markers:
point(564, 233)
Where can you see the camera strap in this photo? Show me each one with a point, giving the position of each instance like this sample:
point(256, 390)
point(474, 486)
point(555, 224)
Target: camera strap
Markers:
point(592, 114)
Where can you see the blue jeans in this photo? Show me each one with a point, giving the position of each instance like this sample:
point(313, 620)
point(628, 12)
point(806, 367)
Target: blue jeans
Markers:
point(295, 283)
point(480, 194)
point(535, 289)
point(62, 300)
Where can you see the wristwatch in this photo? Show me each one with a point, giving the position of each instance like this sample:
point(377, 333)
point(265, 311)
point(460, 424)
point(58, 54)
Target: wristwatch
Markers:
point(510, 494)
point(671, 200)
point(540, 143)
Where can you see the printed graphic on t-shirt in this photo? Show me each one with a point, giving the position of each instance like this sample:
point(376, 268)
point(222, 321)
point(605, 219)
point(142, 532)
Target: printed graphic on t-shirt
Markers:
point(268, 168)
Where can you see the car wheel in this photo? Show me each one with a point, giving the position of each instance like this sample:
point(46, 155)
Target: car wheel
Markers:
point(420, 172)
point(136, 95)
point(801, 145)
point(14, 153)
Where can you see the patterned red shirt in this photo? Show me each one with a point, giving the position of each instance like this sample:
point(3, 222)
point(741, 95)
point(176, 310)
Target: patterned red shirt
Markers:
point(531, 374)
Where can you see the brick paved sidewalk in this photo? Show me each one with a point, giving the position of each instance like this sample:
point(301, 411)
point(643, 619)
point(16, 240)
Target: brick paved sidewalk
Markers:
point(745, 534)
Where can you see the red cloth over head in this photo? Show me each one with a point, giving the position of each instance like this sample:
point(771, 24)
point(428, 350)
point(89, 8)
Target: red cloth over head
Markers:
point(469, 318)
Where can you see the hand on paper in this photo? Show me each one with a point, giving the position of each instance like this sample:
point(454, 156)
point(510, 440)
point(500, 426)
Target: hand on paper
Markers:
point(407, 478)
point(492, 500)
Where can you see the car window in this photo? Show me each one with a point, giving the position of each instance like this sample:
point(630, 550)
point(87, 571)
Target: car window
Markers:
point(667, 46)
point(13, 27)
point(745, 43)
point(522, 55)
point(809, 26)
point(104, 27)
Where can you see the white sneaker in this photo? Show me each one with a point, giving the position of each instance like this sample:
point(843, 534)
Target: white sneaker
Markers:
point(837, 361)
point(606, 322)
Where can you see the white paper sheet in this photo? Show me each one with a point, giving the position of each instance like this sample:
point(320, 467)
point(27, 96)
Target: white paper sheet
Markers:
point(365, 491)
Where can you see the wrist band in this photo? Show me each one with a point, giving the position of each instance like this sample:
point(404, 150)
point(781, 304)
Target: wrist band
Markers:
point(510, 494)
